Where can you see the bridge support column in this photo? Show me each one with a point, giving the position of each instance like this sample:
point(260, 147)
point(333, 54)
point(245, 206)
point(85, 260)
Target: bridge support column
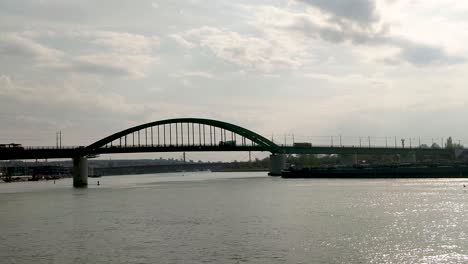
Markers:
point(80, 172)
point(277, 164)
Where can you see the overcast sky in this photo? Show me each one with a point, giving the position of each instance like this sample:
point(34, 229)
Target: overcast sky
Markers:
point(312, 67)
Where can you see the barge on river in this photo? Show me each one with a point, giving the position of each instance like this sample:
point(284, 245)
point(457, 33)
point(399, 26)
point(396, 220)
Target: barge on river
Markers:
point(379, 172)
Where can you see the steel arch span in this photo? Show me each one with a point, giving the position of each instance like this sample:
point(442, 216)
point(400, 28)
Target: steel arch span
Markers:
point(185, 132)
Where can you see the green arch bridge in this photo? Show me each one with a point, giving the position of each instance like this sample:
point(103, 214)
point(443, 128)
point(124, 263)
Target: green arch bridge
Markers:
point(191, 135)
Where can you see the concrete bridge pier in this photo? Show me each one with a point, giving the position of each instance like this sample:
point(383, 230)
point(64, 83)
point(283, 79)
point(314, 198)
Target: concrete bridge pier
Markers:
point(277, 164)
point(80, 172)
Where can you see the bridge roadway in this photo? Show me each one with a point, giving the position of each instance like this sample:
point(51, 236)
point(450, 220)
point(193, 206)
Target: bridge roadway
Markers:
point(71, 152)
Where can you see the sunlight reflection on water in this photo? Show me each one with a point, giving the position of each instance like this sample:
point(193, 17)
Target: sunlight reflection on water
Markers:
point(234, 218)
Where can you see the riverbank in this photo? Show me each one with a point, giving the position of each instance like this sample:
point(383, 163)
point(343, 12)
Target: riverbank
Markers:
point(25, 178)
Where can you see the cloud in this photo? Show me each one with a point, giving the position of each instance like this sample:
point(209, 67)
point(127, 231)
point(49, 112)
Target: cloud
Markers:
point(285, 38)
point(19, 46)
point(75, 104)
point(118, 41)
point(132, 66)
point(5, 82)
point(181, 41)
point(361, 11)
point(364, 82)
point(67, 95)
point(308, 26)
point(264, 54)
point(130, 54)
point(197, 74)
point(118, 54)
point(421, 55)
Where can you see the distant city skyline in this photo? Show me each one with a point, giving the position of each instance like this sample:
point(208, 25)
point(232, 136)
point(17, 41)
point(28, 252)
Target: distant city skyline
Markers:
point(312, 68)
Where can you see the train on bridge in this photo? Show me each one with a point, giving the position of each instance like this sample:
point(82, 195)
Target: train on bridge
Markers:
point(11, 145)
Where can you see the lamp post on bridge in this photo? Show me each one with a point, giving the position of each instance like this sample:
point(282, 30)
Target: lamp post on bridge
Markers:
point(58, 139)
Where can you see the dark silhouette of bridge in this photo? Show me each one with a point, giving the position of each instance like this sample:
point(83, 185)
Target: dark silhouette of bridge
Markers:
point(192, 135)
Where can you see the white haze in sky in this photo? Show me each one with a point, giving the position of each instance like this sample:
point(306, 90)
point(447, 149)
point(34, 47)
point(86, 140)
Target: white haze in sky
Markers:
point(315, 68)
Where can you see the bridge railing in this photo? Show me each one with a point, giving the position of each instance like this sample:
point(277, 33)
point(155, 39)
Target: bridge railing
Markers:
point(354, 146)
point(50, 147)
point(173, 145)
point(190, 145)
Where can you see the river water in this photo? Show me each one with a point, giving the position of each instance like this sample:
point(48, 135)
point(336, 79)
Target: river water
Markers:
point(234, 218)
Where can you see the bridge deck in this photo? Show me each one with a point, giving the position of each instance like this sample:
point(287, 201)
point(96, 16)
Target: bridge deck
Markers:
point(56, 153)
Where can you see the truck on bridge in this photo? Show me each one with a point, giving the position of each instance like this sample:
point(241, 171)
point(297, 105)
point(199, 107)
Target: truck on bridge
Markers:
point(230, 143)
point(302, 145)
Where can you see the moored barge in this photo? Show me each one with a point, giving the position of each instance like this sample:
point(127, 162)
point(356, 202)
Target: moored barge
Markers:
point(379, 172)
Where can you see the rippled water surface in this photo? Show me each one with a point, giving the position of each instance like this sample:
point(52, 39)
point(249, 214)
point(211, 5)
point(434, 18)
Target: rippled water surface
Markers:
point(234, 218)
